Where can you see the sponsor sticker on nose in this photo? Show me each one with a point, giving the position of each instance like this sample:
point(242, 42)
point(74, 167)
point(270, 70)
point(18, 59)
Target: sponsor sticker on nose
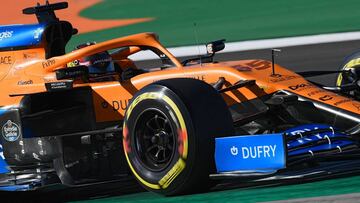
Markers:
point(250, 153)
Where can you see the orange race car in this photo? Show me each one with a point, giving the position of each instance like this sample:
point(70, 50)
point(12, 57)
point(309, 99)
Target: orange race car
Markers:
point(95, 115)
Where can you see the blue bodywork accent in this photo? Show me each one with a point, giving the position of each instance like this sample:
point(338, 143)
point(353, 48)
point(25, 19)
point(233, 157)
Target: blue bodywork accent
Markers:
point(27, 133)
point(15, 188)
point(307, 127)
point(329, 136)
point(3, 164)
point(247, 153)
point(21, 35)
point(322, 147)
point(2, 111)
point(250, 153)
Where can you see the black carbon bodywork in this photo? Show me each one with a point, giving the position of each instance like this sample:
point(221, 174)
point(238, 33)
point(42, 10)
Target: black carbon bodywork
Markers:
point(76, 150)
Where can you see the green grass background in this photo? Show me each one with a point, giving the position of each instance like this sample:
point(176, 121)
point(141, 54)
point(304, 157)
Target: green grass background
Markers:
point(234, 20)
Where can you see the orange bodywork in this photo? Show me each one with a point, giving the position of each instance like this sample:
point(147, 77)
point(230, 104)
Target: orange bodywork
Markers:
point(26, 72)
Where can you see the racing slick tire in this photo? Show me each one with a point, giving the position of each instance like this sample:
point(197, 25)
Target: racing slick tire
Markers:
point(351, 62)
point(168, 135)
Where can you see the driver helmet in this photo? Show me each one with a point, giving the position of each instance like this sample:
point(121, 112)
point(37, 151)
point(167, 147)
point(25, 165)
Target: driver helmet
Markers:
point(99, 63)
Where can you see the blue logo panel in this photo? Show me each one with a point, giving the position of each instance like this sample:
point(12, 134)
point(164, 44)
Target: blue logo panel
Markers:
point(21, 35)
point(250, 153)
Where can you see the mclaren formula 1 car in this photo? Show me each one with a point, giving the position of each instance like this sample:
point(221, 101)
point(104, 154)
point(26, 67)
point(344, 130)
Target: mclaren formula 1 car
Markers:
point(95, 115)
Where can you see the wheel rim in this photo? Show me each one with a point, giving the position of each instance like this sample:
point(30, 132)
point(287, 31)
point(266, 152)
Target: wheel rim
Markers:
point(154, 140)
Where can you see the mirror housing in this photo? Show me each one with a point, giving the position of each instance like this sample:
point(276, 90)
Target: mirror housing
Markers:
point(211, 49)
point(215, 46)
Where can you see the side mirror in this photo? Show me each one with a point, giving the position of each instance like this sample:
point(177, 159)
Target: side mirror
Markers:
point(211, 48)
point(215, 46)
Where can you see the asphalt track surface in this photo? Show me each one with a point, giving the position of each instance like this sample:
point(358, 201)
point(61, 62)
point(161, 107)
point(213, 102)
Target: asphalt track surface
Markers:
point(300, 58)
point(328, 56)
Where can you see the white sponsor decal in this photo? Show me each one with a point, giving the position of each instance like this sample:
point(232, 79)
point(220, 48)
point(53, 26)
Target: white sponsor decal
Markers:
point(234, 151)
point(6, 34)
point(37, 33)
point(10, 131)
point(257, 152)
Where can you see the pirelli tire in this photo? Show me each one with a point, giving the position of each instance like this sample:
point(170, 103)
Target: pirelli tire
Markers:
point(168, 135)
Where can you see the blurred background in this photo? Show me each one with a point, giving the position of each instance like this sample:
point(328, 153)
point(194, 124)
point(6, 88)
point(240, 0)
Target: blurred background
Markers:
point(189, 22)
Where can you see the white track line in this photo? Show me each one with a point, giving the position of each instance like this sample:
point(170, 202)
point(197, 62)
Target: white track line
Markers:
point(258, 44)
